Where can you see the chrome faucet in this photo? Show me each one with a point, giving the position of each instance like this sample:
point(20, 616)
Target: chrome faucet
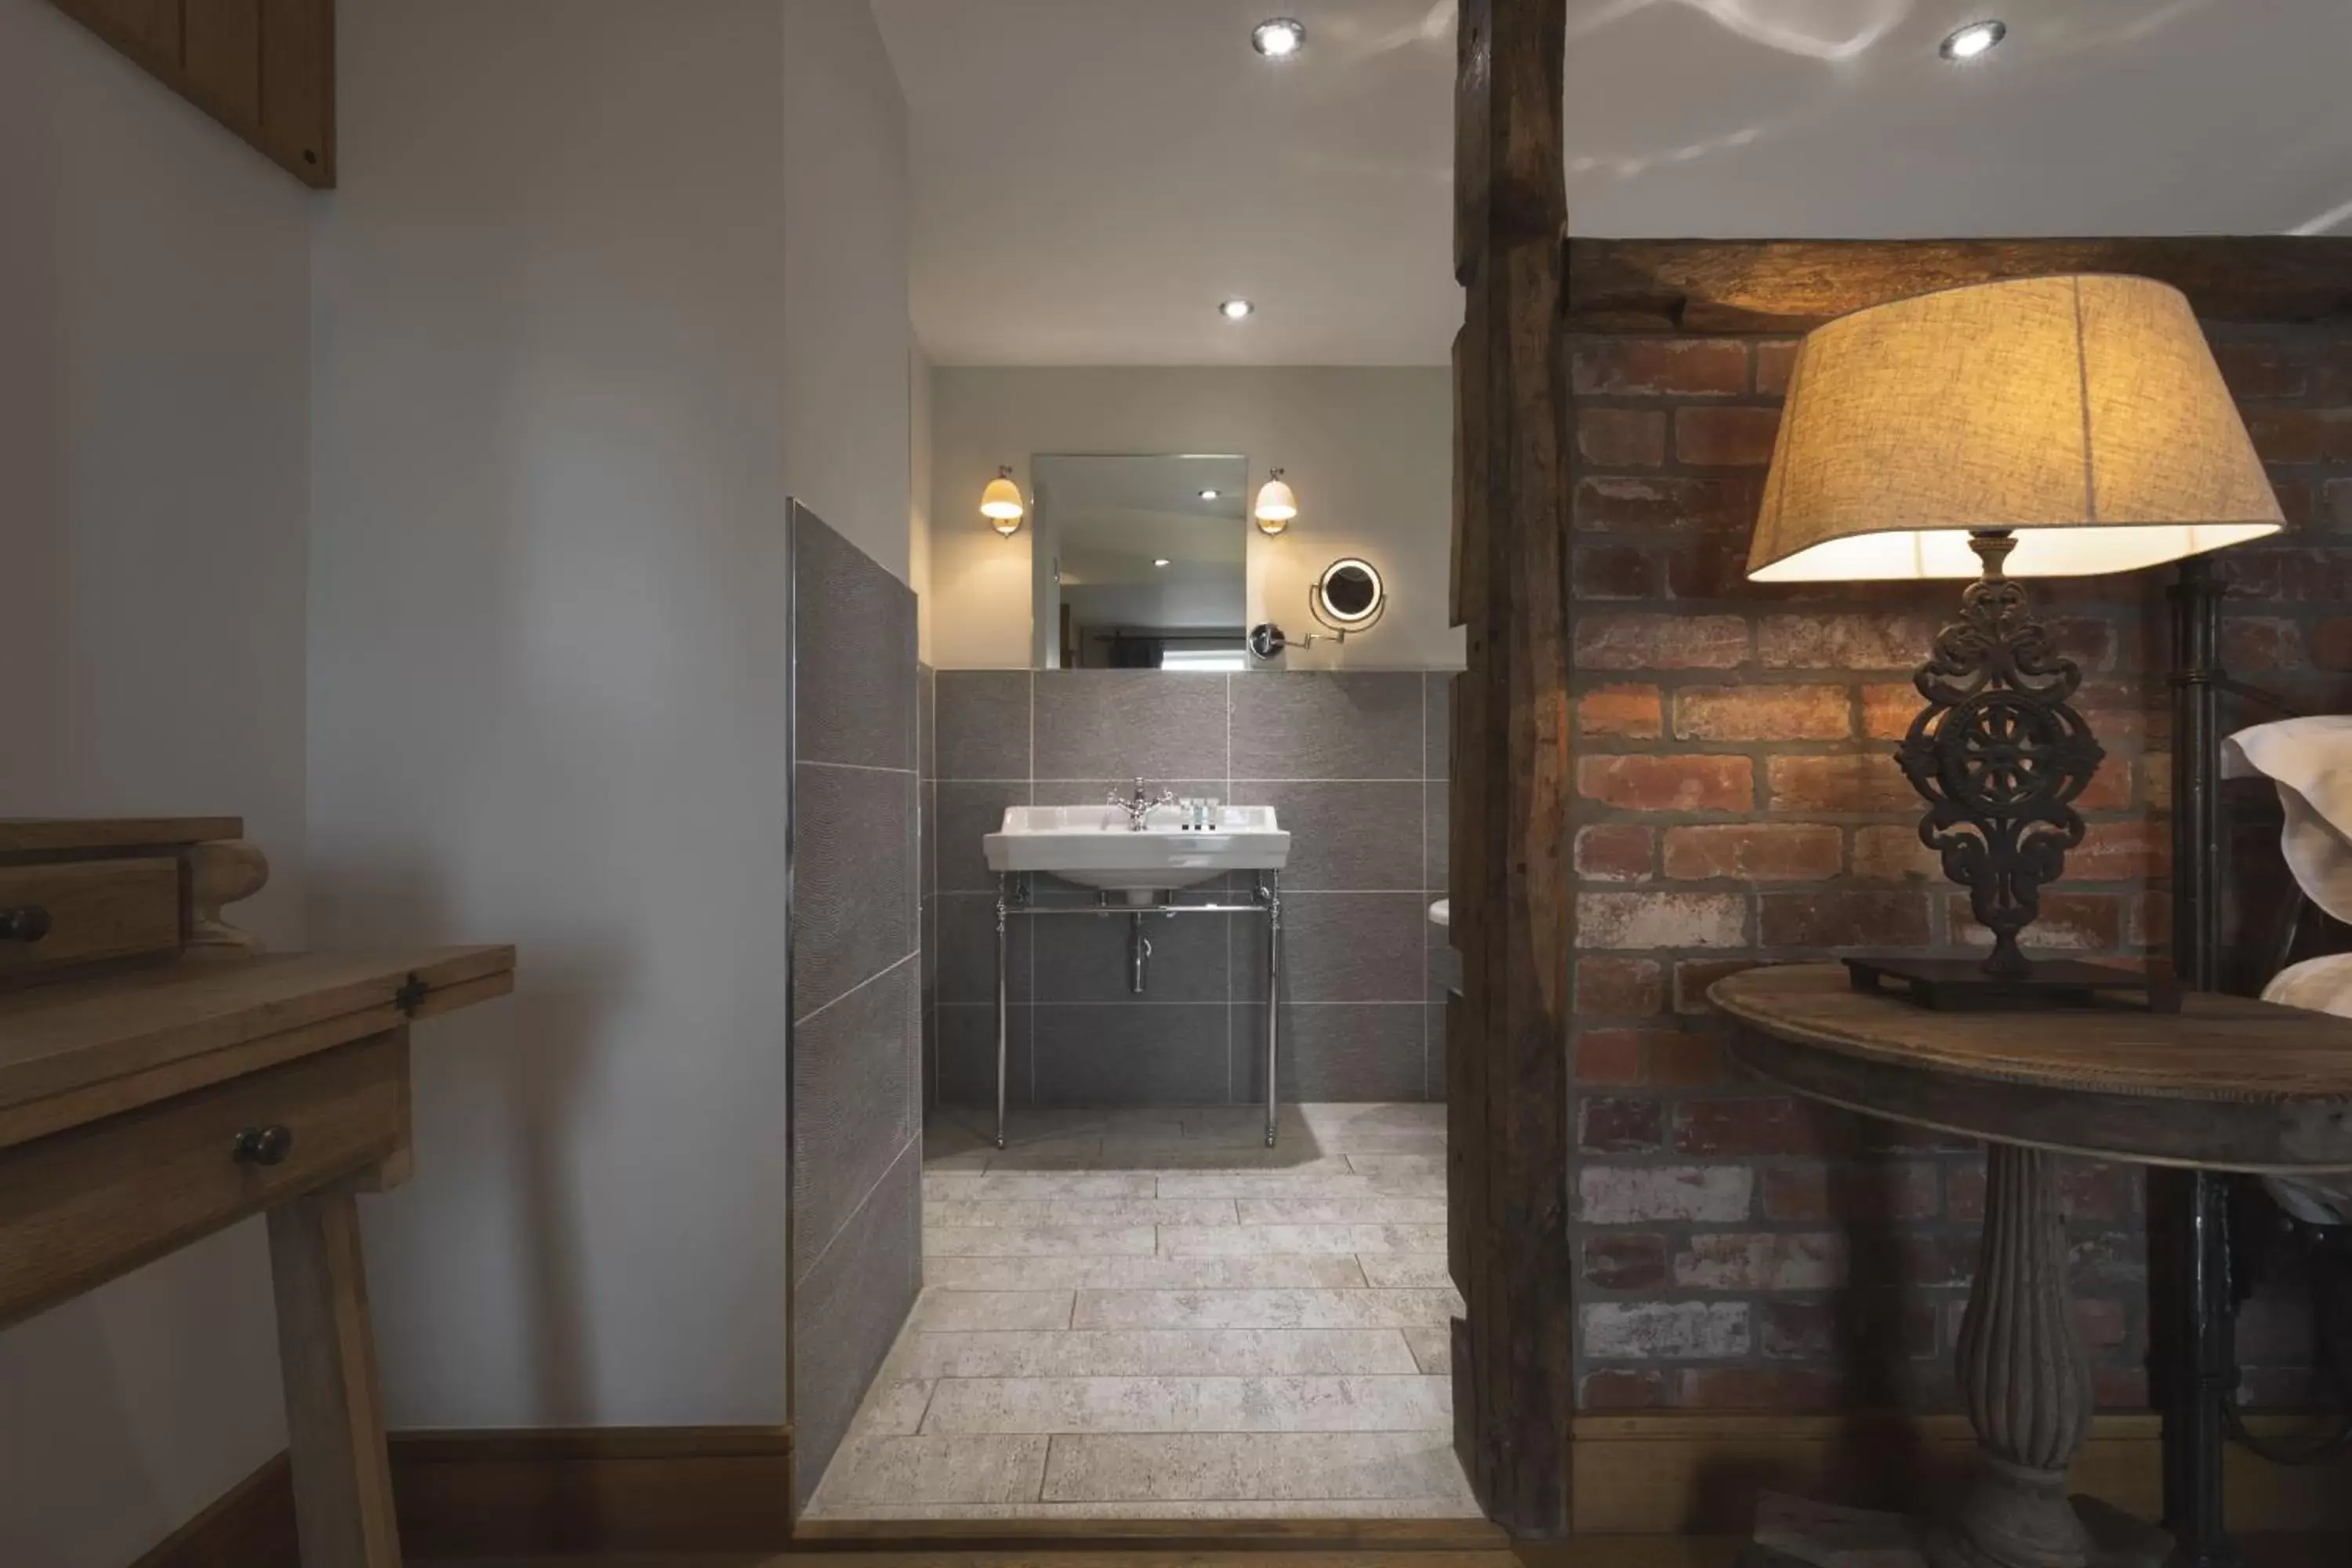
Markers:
point(1139, 805)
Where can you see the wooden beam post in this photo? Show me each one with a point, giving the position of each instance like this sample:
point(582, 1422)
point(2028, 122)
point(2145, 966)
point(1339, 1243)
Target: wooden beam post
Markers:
point(1508, 1078)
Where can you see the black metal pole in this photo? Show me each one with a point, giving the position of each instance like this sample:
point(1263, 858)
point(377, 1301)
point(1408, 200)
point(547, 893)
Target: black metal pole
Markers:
point(2195, 1329)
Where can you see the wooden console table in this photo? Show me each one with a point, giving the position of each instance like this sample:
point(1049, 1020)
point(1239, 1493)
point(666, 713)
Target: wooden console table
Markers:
point(161, 1080)
point(2226, 1084)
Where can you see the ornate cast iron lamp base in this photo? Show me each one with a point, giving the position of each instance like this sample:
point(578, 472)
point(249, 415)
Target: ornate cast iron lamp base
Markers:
point(2000, 755)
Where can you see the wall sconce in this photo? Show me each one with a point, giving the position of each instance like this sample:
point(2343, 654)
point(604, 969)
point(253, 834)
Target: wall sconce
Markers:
point(1277, 505)
point(1001, 503)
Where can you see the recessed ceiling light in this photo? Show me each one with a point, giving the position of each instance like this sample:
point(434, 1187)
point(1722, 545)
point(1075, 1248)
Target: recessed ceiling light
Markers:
point(1973, 40)
point(1279, 37)
point(1162, 562)
point(1208, 495)
point(1236, 309)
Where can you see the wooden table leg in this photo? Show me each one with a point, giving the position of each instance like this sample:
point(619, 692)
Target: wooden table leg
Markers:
point(2024, 1379)
point(335, 1412)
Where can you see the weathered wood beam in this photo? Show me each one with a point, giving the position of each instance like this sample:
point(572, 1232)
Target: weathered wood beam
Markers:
point(1507, 1057)
point(1792, 286)
point(264, 68)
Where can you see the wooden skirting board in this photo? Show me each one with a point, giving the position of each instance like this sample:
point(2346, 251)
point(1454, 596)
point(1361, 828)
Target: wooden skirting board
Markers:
point(1698, 1473)
point(524, 1493)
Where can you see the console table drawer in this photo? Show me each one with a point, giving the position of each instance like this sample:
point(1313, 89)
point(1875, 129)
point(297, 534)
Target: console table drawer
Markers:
point(83, 1206)
point(81, 911)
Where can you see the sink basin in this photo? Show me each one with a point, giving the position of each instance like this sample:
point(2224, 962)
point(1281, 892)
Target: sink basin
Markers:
point(1094, 846)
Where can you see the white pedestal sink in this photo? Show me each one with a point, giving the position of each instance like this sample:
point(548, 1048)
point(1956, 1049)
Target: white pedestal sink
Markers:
point(1094, 847)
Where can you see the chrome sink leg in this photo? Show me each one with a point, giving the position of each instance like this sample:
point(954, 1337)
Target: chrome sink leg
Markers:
point(1003, 896)
point(1272, 893)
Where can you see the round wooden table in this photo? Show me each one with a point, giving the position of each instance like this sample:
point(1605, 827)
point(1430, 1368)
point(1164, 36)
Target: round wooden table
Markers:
point(2226, 1084)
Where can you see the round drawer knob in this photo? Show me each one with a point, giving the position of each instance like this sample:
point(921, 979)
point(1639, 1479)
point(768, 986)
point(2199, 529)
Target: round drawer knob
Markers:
point(23, 922)
point(262, 1145)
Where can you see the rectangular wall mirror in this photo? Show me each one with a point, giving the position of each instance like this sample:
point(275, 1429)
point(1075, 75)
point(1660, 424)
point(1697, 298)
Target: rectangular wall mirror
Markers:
point(1140, 561)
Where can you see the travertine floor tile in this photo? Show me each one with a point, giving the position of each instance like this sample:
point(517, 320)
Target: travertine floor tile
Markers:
point(1432, 1349)
point(1023, 1186)
point(1298, 1240)
point(1158, 1352)
point(1041, 1241)
point(1443, 1506)
point(1271, 1308)
point(932, 1470)
point(1194, 1404)
point(949, 1312)
point(1365, 1209)
point(955, 1214)
point(1131, 1273)
point(1254, 1466)
point(1406, 1270)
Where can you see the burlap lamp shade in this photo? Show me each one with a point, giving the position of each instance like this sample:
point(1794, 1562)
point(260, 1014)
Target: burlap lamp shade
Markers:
point(2085, 413)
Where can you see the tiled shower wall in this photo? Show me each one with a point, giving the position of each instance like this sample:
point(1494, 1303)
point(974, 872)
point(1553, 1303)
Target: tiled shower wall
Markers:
point(1355, 763)
point(856, 1112)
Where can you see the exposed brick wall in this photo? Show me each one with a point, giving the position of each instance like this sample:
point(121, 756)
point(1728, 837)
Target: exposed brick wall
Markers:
point(1739, 803)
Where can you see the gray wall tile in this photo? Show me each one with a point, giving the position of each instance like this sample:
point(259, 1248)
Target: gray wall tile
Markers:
point(1337, 947)
point(1118, 723)
point(927, 721)
point(1437, 838)
point(1171, 1054)
point(1436, 1047)
point(847, 1313)
point(968, 950)
point(1328, 726)
point(984, 724)
point(967, 811)
point(852, 1098)
point(1086, 959)
point(1437, 694)
point(967, 1053)
point(854, 653)
point(1336, 1051)
point(1353, 837)
point(1444, 963)
point(853, 879)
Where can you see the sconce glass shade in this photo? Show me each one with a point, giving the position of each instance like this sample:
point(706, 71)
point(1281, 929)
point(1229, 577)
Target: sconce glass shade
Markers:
point(2085, 413)
point(1001, 503)
point(1277, 505)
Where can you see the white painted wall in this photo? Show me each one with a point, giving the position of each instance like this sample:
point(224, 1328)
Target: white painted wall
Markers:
point(845, 379)
point(1369, 451)
point(548, 685)
point(153, 476)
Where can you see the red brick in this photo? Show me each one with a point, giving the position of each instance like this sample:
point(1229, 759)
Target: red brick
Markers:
point(2120, 852)
point(1612, 1126)
point(1613, 1057)
point(2251, 643)
point(2105, 1323)
point(2337, 505)
point(1894, 855)
point(1760, 1261)
point(1862, 782)
point(1644, 367)
point(1614, 852)
point(2258, 369)
point(1872, 640)
point(1615, 572)
point(1873, 1326)
point(1635, 640)
point(1755, 852)
point(1649, 1194)
point(1633, 711)
point(2069, 922)
point(1616, 1389)
point(2331, 645)
point(1773, 363)
point(1877, 1190)
point(1630, 503)
point(1687, 1061)
point(1888, 707)
point(1763, 713)
point(2126, 1388)
point(1643, 921)
point(1621, 437)
point(1773, 1125)
point(2090, 641)
point(2110, 788)
point(2156, 792)
point(1754, 1388)
point(1707, 569)
point(1619, 987)
point(2301, 434)
point(1694, 976)
point(2150, 920)
point(1621, 1262)
point(1725, 438)
point(1842, 920)
point(1668, 783)
point(1912, 1258)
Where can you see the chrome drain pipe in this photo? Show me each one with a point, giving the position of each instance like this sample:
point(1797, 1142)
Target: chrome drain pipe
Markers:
point(1139, 955)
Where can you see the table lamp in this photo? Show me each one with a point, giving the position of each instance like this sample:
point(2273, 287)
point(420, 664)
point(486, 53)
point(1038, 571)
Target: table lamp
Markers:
point(2038, 428)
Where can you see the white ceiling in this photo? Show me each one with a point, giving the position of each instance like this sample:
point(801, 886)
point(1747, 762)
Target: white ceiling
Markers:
point(1092, 176)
